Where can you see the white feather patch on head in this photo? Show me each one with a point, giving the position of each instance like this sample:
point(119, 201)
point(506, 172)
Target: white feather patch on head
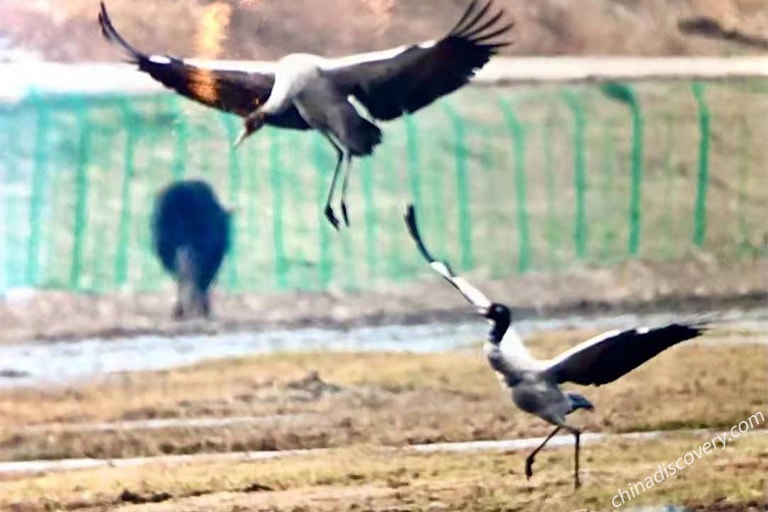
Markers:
point(642, 330)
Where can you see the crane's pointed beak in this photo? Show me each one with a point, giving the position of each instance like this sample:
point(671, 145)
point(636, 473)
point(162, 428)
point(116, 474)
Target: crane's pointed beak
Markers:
point(240, 138)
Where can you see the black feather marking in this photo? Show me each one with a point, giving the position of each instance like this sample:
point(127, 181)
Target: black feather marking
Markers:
point(493, 34)
point(413, 229)
point(109, 32)
point(467, 14)
point(469, 26)
point(485, 25)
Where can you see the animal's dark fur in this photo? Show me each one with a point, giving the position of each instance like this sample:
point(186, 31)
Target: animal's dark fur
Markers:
point(191, 237)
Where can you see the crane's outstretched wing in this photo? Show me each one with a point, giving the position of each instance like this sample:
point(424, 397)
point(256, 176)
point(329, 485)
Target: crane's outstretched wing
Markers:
point(238, 91)
point(405, 79)
point(610, 355)
point(472, 294)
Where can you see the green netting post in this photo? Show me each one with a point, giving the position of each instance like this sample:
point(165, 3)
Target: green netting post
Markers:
point(235, 184)
point(608, 171)
point(579, 172)
point(151, 269)
point(123, 243)
point(700, 214)
point(325, 270)
point(549, 174)
point(517, 131)
point(412, 155)
point(38, 188)
point(81, 196)
point(11, 204)
point(462, 188)
point(276, 183)
point(669, 196)
point(366, 177)
point(625, 94)
point(181, 132)
point(744, 151)
point(635, 194)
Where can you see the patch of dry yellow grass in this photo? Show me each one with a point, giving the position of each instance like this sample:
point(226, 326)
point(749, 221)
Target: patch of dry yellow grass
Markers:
point(385, 398)
point(369, 479)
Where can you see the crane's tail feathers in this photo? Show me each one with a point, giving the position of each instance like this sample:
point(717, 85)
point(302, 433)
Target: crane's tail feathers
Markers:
point(362, 135)
point(111, 35)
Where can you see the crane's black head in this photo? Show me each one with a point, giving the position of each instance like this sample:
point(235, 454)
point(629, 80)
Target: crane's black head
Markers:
point(252, 123)
point(500, 316)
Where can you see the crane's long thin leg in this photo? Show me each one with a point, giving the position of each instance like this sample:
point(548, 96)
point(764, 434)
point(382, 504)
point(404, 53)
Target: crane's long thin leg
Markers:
point(576, 481)
point(328, 209)
point(344, 184)
point(529, 460)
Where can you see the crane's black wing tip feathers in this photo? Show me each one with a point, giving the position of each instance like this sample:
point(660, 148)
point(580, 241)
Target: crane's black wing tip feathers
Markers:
point(111, 34)
point(413, 229)
point(474, 25)
point(695, 328)
point(106, 23)
point(674, 333)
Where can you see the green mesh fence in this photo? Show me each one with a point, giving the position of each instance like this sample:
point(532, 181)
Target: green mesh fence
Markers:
point(506, 180)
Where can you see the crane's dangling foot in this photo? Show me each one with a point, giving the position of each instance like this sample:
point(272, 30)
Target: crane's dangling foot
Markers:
point(344, 213)
point(331, 217)
point(529, 467)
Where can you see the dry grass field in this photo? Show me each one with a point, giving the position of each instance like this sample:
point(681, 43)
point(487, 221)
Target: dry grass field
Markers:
point(359, 405)
point(364, 479)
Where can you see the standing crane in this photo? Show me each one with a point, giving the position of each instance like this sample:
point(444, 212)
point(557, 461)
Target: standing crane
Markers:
point(533, 384)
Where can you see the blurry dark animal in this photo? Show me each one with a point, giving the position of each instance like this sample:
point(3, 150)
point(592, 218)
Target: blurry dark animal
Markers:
point(303, 91)
point(533, 384)
point(191, 236)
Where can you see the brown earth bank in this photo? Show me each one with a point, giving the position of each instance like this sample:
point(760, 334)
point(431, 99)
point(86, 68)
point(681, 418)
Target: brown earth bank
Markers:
point(265, 29)
point(697, 285)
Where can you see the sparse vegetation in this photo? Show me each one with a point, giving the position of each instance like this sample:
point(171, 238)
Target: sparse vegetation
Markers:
point(374, 480)
point(338, 399)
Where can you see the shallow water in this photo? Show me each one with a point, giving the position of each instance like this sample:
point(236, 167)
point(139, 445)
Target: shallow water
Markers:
point(68, 361)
